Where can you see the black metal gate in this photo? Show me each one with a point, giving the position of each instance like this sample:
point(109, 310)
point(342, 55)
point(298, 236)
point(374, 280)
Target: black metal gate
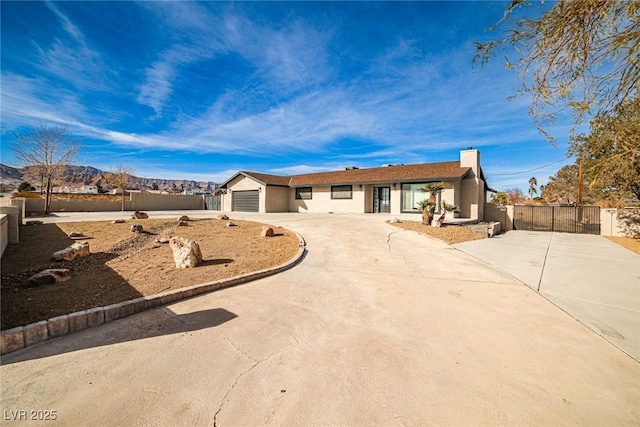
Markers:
point(568, 219)
point(213, 203)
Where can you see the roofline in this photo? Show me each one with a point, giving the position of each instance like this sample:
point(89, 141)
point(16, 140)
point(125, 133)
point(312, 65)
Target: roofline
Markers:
point(248, 175)
point(401, 181)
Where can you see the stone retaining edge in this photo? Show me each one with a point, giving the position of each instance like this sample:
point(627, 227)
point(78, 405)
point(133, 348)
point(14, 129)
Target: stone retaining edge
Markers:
point(25, 336)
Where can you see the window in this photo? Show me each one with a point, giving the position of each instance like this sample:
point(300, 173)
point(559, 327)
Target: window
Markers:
point(411, 196)
point(341, 192)
point(303, 193)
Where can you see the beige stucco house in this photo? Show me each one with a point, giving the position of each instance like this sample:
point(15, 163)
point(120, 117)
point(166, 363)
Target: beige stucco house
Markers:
point(393, 189)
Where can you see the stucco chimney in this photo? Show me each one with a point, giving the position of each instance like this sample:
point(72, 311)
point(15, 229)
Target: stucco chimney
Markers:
point(470, 158)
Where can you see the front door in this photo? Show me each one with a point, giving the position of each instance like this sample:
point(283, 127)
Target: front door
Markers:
point(382, 199)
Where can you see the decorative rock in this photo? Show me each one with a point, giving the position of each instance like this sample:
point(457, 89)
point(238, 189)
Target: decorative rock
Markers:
point(137, 228)
point(230, 224)
point(395, 221)
point(183, 218)
point(223, 217)
point(186, 253)
point(74, 251)
point(117, 221)
point(51, 275)
point(162, 239)
point(267, 231)
point(76, 235)
point(183, 224)
point(139, 215)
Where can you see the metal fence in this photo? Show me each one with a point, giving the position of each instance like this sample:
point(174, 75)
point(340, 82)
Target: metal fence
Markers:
point(568, 219)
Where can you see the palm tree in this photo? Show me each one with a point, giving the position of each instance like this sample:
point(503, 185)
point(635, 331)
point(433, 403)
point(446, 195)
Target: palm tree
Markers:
point(428, 206)
point(533, 182)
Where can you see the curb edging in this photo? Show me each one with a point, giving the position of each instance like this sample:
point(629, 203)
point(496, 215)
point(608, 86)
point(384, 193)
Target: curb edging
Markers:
point(44, 330)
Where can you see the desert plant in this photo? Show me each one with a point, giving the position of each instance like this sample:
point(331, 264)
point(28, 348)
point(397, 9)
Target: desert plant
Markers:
point(428, 207)
point(25, 186)
point(445, 208)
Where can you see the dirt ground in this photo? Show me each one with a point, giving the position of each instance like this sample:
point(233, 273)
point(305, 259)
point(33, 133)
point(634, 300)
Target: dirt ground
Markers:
point(450, 234)
point(627, 242)
point(125, 265)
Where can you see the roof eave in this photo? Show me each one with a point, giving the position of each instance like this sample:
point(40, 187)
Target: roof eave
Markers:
point(384, 181)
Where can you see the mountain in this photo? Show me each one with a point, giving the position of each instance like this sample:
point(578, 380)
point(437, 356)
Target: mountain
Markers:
point(77, 176)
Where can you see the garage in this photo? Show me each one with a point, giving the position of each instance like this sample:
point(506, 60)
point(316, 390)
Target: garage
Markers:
point(246, 201)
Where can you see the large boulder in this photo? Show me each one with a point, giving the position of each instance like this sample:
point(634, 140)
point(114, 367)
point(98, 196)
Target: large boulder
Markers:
point(51, 275)
point(74, 251)
point(139, 215)
point(186, 253)
point(267, 231)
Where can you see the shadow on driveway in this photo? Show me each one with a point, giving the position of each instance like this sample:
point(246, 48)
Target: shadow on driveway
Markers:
point(149, 324)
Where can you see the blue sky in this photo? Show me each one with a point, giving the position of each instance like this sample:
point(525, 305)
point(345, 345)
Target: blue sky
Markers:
point(186, 90)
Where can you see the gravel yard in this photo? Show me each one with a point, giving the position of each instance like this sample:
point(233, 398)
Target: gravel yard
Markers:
point(450, 234)
point(125, 265)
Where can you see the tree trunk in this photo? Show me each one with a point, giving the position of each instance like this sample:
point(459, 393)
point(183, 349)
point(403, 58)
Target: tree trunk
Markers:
point(47, 198)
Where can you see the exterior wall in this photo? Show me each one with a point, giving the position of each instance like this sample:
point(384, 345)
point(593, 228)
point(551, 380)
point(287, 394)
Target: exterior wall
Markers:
point(21, 203)
point(472, 189)
point(620, 222)
point(277, 198)
point(494, 213)
point(88, 205)
point(13, 223)
point(162, 202)
point(321, 201)
point(4, 233)
point(135, 201)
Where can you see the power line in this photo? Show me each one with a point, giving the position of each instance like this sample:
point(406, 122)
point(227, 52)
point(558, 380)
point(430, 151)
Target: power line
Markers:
point(529, 170)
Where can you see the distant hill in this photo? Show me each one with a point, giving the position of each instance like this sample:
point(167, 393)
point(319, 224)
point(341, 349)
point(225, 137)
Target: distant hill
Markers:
point(76, 176)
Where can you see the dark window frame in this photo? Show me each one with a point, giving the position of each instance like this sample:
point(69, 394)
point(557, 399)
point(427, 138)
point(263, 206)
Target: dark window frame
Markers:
point(415, 209)
point(342, 189)
point(300, 190)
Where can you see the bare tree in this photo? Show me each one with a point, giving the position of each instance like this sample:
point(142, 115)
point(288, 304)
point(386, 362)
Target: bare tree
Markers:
point(50, 150)
point(579, 56)
point(120, 178)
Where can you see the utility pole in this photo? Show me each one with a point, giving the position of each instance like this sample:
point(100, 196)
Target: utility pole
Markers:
point(580, 184)
point(580, 181)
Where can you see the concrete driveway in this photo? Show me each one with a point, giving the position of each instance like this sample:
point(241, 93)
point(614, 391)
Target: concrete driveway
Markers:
point(591, 278)
point(377, 326)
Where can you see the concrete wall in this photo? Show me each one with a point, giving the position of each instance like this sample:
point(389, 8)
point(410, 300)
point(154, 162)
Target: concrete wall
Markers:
point(21, 203)
point(135, 201)
point(620, 222)
point(494, 213)
point(473, 192)
point(4, 233)
point(165, 202)
point(14, 222)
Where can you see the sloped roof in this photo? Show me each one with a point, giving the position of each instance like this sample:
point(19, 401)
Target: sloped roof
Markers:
point(444, 171)
point(262, 178)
